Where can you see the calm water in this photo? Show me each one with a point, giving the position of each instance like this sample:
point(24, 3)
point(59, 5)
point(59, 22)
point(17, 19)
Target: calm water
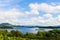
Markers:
point(24, 29)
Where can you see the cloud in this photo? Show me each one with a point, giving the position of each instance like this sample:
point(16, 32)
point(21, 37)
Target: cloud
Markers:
point(10, 15)
point(33, 21)
point(47, 15)
point(45, 7)
point(33, 12)
point(35, 9)
point(33, 16)
point(49, 10)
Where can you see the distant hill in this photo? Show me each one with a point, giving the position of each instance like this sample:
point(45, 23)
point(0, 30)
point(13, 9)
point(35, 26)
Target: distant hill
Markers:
point(10, 26)
point(47, 27)
point(6, 25)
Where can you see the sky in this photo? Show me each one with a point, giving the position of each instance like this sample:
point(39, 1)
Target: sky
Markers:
point(30, 12)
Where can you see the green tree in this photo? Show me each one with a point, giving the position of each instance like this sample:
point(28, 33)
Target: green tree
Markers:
point(18, 33)
point(30, 35)
point(40, 34)
point(12, 33)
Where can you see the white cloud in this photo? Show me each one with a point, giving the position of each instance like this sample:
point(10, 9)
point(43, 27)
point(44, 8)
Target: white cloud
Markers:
point(34, 6)
point(33, 21)
point(15, 16)
point(34, 12)
point(47, 15)
point(48, 9)
point(45, 7)
point(10, 15)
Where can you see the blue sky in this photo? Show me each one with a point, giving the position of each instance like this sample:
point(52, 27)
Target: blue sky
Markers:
point(30, 12)
point(23, 3)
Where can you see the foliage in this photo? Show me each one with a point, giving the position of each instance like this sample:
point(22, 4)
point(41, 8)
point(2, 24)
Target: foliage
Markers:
point(41, 35)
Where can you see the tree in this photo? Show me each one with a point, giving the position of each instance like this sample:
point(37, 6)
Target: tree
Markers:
point(18, 33)
point(40, 34)
point(12, 33)
point(9, 34)
point(30, 35)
